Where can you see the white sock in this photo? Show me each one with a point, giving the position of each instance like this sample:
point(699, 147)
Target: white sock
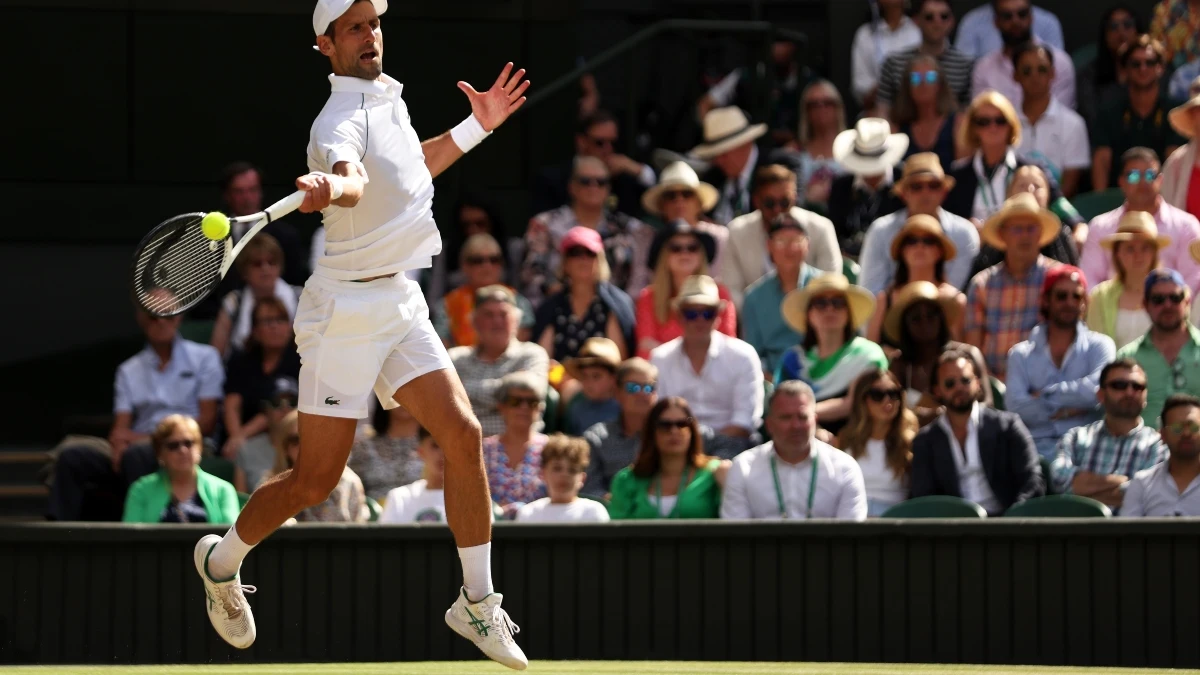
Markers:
point(227, 557)
point(477, 571)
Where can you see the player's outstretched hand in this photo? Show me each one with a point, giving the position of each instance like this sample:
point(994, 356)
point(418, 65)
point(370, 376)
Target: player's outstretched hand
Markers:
point(505, 97)
point(319, 189)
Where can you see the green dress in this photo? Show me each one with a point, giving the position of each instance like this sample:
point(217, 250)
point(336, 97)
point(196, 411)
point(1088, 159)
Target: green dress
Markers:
point(700, 498)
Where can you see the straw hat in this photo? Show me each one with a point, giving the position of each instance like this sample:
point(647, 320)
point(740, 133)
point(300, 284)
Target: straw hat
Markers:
point(923, 224)
point(912, 293)
point(680, 175)
point(597, 351)
point(1023, 204)
point(795, 303)
point(923, 165)
point(870, 148)
point(1181, 117)
point(698, 289)
point(1194, 249)
point(1136, 225)
point(726, 129)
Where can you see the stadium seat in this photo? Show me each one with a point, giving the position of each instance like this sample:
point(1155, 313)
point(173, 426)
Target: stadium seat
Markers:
point(219, 467)
point(936, 506)
point(1046, 475)
point(1091, 204)
point(1084, 56)
point(851, 270)
point(375, 509)
point(1059, 506)
point(998, 391)
point(550, 414)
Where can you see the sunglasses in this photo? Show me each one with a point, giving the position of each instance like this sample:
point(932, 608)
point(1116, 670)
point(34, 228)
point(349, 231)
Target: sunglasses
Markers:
point(1126, 24)
point(1014, 14)
point(293, 439)
point(929, 77)
point(1137, 64)
point(580, 252)
point(942, 16)
point(667, 425)
point(836, 302)
point(1063, 296)
point(952, 382)
point(771, 204)
point(602, 142)
point(272, 320)
point(921, 186)
point(1157, 299)
point(694, 314)
point(172, 446)
point(924, 240)
point(1138, 175)
point(683, 248)
point(878, 395)
point(985, 122)
point(1179, 428)
point(672, 195)
point(1122, 385)
point(589, 181)
point(635, 388)
point(482, 259)
point(1040, 70)
point(522, 401)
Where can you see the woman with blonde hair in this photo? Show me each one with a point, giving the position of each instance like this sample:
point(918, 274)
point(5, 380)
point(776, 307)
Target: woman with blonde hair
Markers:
point(1116, 307)
point(926, 111)
point(260, 266)
point(482, 263)
point(822, 118)
point(348, 501)
point(180, 491)
point(879, 434)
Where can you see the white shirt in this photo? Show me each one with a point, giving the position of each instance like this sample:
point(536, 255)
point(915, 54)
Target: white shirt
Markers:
point(995, 71)
point(750, 486)
point(972, 480)
point(990, 195)
point(578, 511)
point(873, 42)
point(1059, 139)
point(414, 503)
point(366, 123)
point(881, 483)
point(728, 390)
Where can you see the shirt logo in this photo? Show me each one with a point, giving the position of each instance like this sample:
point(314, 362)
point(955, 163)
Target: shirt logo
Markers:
point(329, 400)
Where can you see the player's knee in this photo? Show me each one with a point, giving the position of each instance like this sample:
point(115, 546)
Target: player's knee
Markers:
point(466, 437)
point(314, 489)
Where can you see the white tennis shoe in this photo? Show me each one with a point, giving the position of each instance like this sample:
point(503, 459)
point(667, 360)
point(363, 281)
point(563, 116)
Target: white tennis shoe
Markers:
point(227, 607)
point(488, 626)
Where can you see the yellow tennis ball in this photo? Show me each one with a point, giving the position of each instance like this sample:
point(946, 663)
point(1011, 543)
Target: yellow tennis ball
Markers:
point(215, 225)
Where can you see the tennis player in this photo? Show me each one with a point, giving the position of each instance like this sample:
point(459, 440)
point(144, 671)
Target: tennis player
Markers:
point(362, 324)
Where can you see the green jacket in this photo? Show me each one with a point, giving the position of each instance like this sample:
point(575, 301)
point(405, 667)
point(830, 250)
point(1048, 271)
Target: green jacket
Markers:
point(631, 499)
point(1103, 307)
point(149, 495)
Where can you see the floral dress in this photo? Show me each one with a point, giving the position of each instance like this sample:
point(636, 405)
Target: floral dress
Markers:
point(519, 485)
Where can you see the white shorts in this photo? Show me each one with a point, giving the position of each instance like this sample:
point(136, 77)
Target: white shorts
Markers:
point(357, 336)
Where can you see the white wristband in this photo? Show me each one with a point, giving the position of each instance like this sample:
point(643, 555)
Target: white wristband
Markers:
point(468, 134)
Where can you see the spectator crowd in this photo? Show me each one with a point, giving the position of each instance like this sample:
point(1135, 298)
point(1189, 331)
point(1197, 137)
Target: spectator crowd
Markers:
point(980, 288)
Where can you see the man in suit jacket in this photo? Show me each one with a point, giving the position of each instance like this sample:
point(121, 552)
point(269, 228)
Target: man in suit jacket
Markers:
point(977, 453)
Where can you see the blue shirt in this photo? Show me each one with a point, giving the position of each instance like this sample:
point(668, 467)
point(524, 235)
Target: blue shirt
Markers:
point(762, 319)
point(1074, 385)
point(878, 268)
point(585, 413)
point(192, 375)
point(978, 35)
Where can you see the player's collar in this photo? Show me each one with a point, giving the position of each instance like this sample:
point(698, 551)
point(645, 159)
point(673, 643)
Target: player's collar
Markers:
point(384, 86)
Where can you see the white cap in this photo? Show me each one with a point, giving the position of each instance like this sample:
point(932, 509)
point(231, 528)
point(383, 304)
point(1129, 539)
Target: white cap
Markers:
point(328, 11)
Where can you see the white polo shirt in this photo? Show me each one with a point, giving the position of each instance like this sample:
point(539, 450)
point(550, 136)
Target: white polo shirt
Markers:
point(391, 230)
point(1059, 139)
point(837, 486)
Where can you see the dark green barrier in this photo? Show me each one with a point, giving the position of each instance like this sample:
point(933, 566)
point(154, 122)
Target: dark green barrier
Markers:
point(1025, 592)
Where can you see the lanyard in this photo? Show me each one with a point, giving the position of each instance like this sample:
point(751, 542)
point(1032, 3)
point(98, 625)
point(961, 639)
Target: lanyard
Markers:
point(990, 203)
point(687, 476)
point(812, 487)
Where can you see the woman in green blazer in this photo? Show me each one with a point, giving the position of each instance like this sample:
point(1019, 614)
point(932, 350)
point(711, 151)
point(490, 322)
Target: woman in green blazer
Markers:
point(671, 477)
point(1115, 307)
point(180, 492)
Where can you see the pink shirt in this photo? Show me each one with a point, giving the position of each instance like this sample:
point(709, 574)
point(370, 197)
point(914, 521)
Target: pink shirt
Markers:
point(1179, 225)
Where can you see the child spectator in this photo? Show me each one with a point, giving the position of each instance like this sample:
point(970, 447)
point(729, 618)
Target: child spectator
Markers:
point(423, 501)
point(564, 461)
point(596, 370)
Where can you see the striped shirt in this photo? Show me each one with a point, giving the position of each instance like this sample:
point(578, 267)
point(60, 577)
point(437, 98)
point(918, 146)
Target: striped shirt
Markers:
point(1005, 309)
point(1094, 449)
point(956, 68)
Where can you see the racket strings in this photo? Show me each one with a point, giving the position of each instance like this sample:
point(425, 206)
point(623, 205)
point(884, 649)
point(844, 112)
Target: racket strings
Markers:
point(177, 266)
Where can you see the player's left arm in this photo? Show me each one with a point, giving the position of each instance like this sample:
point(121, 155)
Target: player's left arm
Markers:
point(489, 110)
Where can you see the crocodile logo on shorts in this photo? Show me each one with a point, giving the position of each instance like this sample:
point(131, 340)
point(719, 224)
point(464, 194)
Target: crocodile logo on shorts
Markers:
point(329, 400)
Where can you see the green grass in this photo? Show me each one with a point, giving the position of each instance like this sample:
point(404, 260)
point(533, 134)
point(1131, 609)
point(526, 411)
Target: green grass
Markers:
point(583, 668)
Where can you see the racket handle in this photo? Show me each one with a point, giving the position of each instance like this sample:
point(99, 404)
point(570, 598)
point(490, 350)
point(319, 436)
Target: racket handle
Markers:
point(285, 206)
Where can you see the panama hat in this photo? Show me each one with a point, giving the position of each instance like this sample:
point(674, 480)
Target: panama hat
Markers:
point(870, 148)
point(726, 129)
point(698, 289)
point(795, 303)
point(680, 175)
point(680, 226)
point(923, 165)
point(1181, 117)
point(924, 224)
point(912, 293)
point(328, 11)
point(1023, 204)
point(596, 351)
point(1136, 225)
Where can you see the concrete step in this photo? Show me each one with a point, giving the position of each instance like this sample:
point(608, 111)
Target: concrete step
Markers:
point(21, 467)
point(24, 501)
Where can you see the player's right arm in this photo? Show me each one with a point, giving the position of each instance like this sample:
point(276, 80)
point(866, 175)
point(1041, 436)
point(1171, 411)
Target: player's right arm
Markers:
point(319, 187)
point(335, 152)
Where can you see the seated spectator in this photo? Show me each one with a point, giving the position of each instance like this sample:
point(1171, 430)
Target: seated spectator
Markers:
point(829, 312)
point(252, 378)
point(729, 145)
point(1175, 25)
point(1170, 351)
point(180, 491)
point(747, 259)
point(624, 240)
point(678, 252)
point(169, 376)
point(589, 305)
point(1135, 119)
point(736, 89)
point(1116, 308)
point(388, 456)
point(920, 251)
point(348, 501)
point(1097, 460)
point(923, 186)
point(615, 443)
point(513, 457)
point(822, 118)
point(596, 370)
point(1002, 304)
point(1032, 179)
point(482, 264)
point(260, 265)
point(919, 323)
point(720, 375)
point(1054, 375)
point(888, 31)
point(255, 461)
point(879, 436)
point(680, 195)
point(870, 155)
point(1099, 81)
point(762, 319)
point(473, 215)
point(497, 352)
point(979, 454)
point(978, 34)
point(795, 475)
point(1181, 174)
point(935, 19)
point(671, 477)
point(1141, 181)
point(926, 111)
point(994, 70)
point(1052, 135)
point(1169, 489)
point(424, 500)
point(564, 460)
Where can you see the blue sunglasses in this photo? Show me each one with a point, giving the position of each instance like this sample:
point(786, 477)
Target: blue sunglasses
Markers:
point(693, 314)
point(635, 388)
point(1134, 177)
point(930, 77)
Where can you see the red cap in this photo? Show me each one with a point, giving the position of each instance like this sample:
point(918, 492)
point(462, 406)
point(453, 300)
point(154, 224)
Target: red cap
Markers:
point(1057, 274)
point(582, 236)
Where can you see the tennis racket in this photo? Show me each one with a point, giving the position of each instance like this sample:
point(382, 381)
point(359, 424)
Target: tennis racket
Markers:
point(176, 266)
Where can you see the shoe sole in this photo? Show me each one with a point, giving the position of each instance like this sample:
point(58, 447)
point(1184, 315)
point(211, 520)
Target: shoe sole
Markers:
point(454, 626)
point(199, 556)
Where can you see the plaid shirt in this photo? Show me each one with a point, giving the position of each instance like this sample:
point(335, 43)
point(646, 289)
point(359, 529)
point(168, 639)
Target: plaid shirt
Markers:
point(1092, 448)
point(1005, 309)
point(481, 378)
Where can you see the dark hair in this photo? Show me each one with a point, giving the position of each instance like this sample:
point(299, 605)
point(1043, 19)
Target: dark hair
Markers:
point(235, 169)
point(1125, 363)
point(1028, 47)
point(453, 250)
point(1106, 62)
point(951, 356)
point(597, 117)
point(330, 32)
point(919, 5)
point(901, 278)
point(907, 346)
point(1178, 401)
point(268, 303)
point(772, 174)
point(647, 461)
point(810, 335)
point(996, 3)
point(1139, 43)
point(1139, 153)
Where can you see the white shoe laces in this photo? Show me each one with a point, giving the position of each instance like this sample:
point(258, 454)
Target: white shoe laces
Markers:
point(232, 598)
point(501, 620)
